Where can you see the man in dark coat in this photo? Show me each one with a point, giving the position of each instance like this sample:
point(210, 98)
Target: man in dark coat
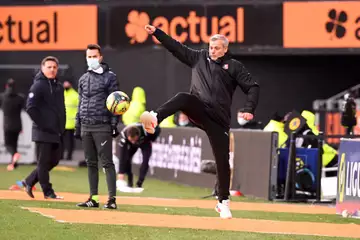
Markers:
point(46, 108)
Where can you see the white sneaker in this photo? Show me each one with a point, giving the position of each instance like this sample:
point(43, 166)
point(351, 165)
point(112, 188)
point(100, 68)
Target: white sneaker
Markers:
point(224, 209)
point(138, 190)
point(126, 189)
point(120, 184)
point(149, 121)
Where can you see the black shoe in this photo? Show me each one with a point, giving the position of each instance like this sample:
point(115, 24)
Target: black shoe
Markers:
point(90, 203)
point(111, 204)
point(53, 196)
point(82, 164)
point(28, 189)
point(139, 185)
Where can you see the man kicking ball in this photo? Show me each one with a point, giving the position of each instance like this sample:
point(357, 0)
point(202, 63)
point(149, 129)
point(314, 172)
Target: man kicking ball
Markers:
point(215, 76)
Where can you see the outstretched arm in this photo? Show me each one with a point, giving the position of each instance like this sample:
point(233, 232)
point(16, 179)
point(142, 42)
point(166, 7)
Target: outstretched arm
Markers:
point(180, 51)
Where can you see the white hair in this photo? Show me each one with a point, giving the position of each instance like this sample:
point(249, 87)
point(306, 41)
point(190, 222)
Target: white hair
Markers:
point(220, 37)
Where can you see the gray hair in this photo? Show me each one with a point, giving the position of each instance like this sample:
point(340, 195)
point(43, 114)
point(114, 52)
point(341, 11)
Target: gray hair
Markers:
point(220, 37)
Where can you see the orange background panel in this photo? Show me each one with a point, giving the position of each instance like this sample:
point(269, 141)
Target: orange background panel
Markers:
point(77, 26)
point(304, 25)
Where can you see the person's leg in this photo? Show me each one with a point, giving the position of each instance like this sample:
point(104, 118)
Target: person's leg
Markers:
point(11, 139)
point(56, 152)
point(185, 102)
point(103, 143)
point(133, 149)
point(219, 140)
point(123, 161)
point(126, 153)
point(30, 181)
point(146, 149)
point(70, 143)
point(91, 158)
point(17, 155)
point(10, 142)
point(43, 166)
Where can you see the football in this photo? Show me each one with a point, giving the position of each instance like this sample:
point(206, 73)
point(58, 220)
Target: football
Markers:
point(118, 103)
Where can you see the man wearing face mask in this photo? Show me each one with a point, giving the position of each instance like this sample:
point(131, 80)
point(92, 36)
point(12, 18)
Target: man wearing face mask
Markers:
point(96, 126)
point(71, 105)
point(133, 137)
point(182, 120)
point(215, 76)
point(46, 108)
point(12, 103)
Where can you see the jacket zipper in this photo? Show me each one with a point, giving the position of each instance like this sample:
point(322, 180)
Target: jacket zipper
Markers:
point(57, 114)
point(50, 88)
point(87, 112)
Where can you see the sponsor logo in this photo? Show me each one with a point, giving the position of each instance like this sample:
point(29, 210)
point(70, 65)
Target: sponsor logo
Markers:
point(47, 27)
point(191, 28)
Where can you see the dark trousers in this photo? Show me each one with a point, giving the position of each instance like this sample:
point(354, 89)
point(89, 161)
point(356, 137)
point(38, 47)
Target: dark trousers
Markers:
point(99, 145)
point(68, 141)
point(218, 135)
point(127, 152)
point(11, 142)
point(48, 156)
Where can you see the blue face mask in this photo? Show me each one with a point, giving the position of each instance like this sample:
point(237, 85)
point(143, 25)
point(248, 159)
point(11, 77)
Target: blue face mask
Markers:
point(93, 63)
point(183, 123)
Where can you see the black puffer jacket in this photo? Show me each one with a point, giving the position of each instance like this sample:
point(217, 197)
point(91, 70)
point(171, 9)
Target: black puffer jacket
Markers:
point(93, 89)
point(46, 107)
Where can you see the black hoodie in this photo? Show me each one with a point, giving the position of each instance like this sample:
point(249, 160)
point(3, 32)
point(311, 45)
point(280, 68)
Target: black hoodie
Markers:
point(12, 103)
point(46, 107)
point(214, 82)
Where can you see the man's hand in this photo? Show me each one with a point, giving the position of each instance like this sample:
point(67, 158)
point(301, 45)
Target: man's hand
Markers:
point(114, 132)
point(246, 116)
point(77, 133)
point(150, 29)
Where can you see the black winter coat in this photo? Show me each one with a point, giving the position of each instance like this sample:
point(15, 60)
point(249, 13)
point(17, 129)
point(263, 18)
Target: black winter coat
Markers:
point(214, 82)
point(93, 89)
point(46, 107)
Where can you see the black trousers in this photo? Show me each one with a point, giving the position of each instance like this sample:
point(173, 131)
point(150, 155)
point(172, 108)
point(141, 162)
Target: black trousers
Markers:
point(68, 141)
point(218, 135)
point(48, 157)
point(98, 145)
point(11, 142)
point(127, 152)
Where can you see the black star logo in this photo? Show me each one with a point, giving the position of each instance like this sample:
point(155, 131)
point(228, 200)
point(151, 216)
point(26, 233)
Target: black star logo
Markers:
point(335, 25)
